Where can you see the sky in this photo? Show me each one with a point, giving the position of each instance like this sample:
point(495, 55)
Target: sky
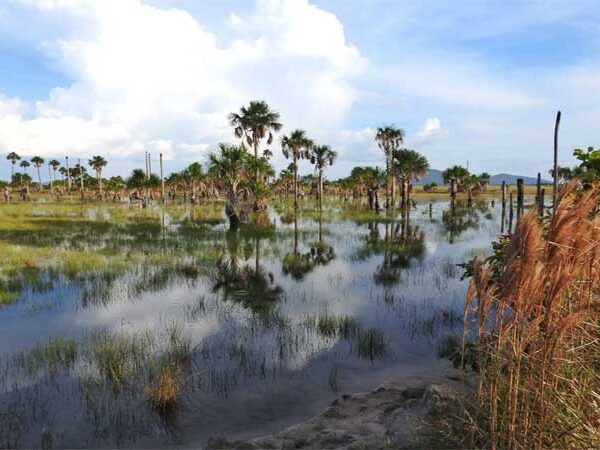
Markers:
point(470, 82)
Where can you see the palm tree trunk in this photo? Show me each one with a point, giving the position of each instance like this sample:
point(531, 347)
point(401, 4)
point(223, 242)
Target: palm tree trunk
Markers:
point(39, 178)
point(295, 182)
point(321, 189)
point(255, 142)
point(387, 182)
point(99, 176)
point(393, 176)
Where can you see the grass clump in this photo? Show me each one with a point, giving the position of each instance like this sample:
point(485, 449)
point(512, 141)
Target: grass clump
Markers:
point(535, 315)
point(118, 356)
point(164, 391)
point(333, 326)
point(55, 354)
point(371, 344)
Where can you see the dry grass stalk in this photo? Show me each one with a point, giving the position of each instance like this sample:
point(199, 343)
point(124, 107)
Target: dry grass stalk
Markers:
point(538, 330)
point(164, 393)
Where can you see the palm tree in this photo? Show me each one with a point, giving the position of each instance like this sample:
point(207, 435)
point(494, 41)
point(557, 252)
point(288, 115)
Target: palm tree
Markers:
point(54, 164)
point(137, 179)
point(24, 165)
point(408, 164)
point(230, 166)
point(98, 163)
point(253, 123)
point(38, 161)
point(297, 146)
point(459, 174)
point(13, 158)
point(484, 180)
point(321, 157)
point(388, 139)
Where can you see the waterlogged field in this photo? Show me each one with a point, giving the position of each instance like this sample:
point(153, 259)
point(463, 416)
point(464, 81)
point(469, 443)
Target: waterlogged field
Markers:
point(150, 327)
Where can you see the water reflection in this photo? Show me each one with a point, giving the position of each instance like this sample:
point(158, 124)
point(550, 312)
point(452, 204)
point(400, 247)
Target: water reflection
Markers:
point(274, 317)
point(253, 287)
point(298, 264)
point(462, 216)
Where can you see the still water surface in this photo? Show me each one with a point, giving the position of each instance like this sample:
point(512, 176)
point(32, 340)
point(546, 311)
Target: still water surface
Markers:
point(256, 309)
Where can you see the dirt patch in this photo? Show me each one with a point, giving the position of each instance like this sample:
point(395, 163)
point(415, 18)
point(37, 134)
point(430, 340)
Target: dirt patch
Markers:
point(409, 413)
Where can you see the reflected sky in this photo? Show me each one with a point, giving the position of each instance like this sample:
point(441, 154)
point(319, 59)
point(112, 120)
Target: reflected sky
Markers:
point(249, 317)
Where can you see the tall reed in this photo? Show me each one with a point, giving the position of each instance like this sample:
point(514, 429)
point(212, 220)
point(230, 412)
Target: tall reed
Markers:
point(535, 316)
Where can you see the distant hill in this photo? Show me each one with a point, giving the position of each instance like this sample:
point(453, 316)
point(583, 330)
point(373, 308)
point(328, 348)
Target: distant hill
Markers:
point(435, 176)
point(512, 179)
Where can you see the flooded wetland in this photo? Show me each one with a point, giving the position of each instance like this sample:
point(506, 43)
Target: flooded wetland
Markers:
point(156, 327)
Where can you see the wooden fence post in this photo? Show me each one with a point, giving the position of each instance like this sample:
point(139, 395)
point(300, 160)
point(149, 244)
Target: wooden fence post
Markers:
point(520, 197)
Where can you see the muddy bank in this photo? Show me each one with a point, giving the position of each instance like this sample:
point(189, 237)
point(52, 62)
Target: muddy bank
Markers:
point(407, 413)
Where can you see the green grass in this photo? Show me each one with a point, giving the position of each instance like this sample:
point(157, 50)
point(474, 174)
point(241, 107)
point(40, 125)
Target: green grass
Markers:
point(55, 354)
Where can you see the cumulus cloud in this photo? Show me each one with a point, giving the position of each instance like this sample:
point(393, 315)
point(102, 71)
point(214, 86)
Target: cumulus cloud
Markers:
point(431, 126)
point(152, 79)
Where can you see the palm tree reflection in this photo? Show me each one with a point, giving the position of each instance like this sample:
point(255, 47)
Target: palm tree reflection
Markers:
point(253, 287)
point(297, 264)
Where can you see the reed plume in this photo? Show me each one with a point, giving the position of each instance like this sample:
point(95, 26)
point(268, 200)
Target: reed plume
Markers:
point(536, 327)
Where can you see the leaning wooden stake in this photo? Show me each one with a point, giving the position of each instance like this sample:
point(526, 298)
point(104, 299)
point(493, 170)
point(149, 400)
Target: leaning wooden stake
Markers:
point(555, 171)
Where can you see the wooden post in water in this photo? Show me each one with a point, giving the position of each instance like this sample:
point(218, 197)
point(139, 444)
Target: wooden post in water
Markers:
point(520, 197)
point(510, 213)
point(555, 171)
point(540, 202)
point(162, 179)
point(538, 187)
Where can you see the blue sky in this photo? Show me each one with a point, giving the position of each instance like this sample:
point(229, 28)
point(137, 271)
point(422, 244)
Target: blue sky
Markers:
point(476, 81)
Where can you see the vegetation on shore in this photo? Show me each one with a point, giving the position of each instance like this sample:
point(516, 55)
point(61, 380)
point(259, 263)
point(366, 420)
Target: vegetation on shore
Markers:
point(534, 313)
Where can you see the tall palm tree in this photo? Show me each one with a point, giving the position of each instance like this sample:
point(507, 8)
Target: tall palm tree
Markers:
point(24, 165)
point(54, 164)
point(321, 157)
point(389, 138)
point(296, 145)
point(253, 123)
point(408, 164)
point(98, 163)
point(230, 166)
point(37, 162)
point(13, 158)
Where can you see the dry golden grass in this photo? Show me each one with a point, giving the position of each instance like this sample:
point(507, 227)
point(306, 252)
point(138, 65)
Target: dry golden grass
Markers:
point(164, 393)
point(537, 322)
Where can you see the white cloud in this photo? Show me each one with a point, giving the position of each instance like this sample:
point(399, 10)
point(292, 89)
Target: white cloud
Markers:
point(431, 126)
point(151, 79)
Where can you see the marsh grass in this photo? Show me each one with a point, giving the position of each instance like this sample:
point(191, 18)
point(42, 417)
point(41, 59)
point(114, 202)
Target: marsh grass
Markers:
point(59, 353)
point(329, 325)
point(534, 314)
point(371, 344)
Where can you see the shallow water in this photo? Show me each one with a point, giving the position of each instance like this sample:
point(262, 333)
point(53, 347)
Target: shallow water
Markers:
point(255, 307)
